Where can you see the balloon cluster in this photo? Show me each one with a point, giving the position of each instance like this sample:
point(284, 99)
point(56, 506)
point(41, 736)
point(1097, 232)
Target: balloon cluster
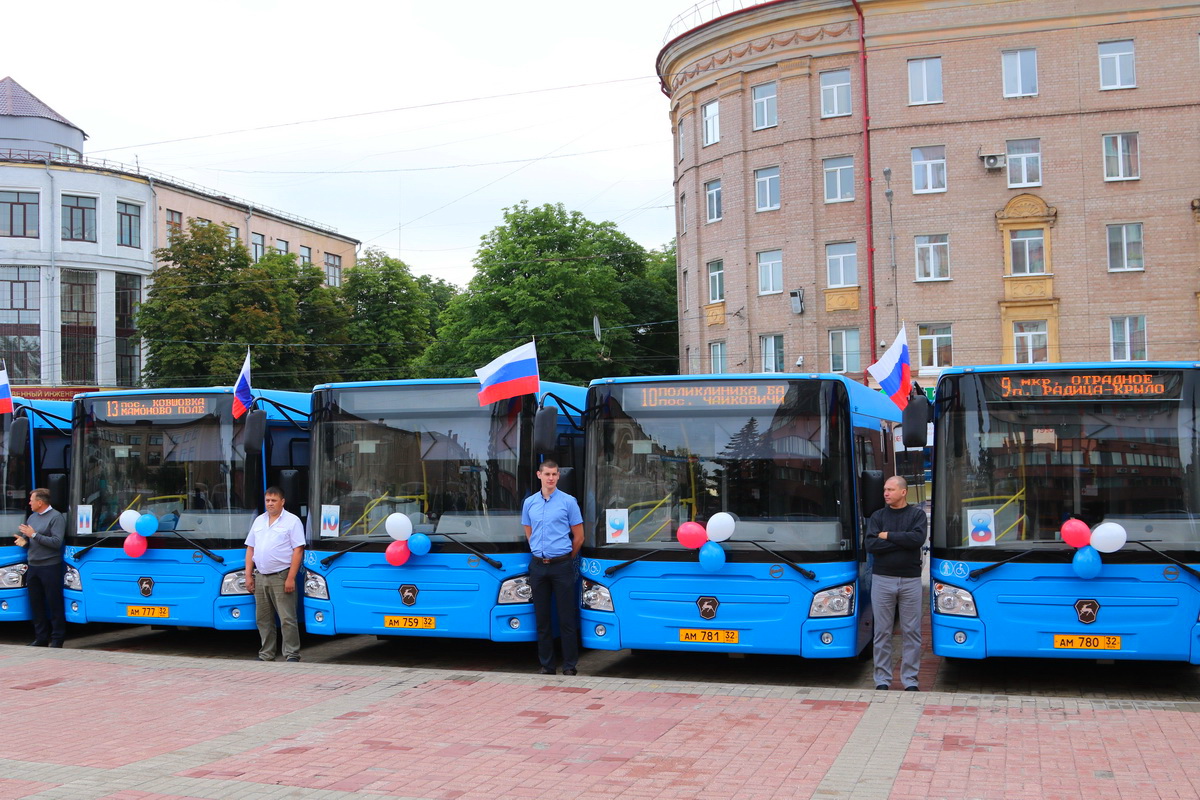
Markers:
point(138, 526)
point(1107, 537)
point(406, 543)
point(693, 535)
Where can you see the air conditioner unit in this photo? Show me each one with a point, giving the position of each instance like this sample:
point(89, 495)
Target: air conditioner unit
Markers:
point(994, 161)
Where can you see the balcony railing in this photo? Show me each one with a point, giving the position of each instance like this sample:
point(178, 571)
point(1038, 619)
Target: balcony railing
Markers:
point(702, 13)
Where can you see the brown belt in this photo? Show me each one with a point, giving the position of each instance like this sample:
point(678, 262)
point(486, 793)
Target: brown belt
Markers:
point(553, 560)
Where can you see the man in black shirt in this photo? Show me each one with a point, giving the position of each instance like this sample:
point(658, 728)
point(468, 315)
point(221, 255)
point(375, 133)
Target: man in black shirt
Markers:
point(895, 536)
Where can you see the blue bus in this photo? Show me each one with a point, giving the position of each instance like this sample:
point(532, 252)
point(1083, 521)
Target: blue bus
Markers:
point(1066, 514)
point(798, 461)
point(37, 441)
point(180, 455)
point(458, 472)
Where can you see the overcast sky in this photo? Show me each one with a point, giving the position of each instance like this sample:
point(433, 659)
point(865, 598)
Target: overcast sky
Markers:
point(443, 92)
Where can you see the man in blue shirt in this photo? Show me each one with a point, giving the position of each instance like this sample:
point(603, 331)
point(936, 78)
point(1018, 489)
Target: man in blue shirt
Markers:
point(554, 528)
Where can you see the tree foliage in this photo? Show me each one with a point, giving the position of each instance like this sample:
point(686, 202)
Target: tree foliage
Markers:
point(390, 313)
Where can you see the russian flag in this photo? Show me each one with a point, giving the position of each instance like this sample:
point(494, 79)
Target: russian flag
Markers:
point(511, 375)
point(242, 396)
point(893, 370)
point(6, 405)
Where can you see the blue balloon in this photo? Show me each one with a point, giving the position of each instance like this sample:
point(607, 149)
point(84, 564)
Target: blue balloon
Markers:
point(146, 525)
point(1087, 562)
point(712, 556)
point(419, 544)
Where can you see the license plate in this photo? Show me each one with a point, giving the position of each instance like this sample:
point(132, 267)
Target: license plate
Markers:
point(1072, 641)
point(158, 612)
point(422, 623)
point(707, 636)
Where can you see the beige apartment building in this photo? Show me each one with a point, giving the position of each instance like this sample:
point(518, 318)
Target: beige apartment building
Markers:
point(1014, 181)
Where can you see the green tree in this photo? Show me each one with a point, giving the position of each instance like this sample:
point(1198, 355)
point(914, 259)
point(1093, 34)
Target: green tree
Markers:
point(440, 292)
point(657, 338)
point(390, 315)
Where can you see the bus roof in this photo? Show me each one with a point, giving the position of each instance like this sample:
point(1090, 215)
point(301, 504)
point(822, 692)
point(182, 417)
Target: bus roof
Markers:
point(60, 409)
point(301, 401)
point(575, 395)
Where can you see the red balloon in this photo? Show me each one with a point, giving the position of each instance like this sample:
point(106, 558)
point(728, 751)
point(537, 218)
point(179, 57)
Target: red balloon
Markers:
point(135, 545)
point(691, 535)
point(397, 553)
point(1076, 533)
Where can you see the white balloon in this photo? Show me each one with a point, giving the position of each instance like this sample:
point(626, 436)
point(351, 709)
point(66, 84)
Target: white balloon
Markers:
point(720, 526)
point(128, 520)
point(398, 526)
point(1108, 537)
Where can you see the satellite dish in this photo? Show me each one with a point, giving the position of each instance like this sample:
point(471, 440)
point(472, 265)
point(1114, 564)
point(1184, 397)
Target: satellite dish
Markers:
point(596, 326)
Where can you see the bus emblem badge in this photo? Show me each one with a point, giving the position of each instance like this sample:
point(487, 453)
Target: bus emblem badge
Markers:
point(1086, 610)
point(145, 586)
point(708, 606)
point(408, 594)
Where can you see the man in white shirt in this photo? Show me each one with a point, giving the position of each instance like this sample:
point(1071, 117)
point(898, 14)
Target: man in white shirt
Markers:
point(274, 549)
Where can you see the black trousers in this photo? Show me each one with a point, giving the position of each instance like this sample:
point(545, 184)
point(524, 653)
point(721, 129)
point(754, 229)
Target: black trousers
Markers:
point(45, 586)
point(558, 580)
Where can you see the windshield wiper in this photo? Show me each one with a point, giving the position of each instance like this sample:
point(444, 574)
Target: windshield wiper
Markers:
point(80, 553)
point(808, 573)
point(327, 560)
point(1176, 562)
point(975, 573)
point(617, 567)
point(491, 561)
point(199, 547)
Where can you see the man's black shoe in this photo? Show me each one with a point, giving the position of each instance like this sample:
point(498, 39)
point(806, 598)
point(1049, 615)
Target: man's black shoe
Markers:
point(570, 672)
point(56, 644)
point(883, 687)
point(293, 659)
point(911, 689)
point(38, 644)
point(546, 671)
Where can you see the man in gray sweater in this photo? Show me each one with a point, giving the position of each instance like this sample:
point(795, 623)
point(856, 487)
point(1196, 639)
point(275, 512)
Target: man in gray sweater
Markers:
point(42, 535)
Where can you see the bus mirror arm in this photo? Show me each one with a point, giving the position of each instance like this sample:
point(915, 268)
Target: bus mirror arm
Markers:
point(327, 560)
point(78, 554)
point(1177, 563)
point(975, 573)
point(491, 562)
point(808, 573)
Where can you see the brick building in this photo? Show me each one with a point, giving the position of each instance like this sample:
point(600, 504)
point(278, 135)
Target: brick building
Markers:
point(1041, 157)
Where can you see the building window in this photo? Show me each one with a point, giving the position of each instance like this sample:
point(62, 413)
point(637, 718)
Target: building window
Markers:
point(842, 262)
point(1125, 247)
point(78, 339)
point(1024, 162)
point(129, 355)
point(1030, 342)
point(19, 215)
point(1121, 157)
point(682, 214)
point(78, 218)
point(765, 111)
point(129, 225)
point(843, 350)
point(839, 179)
point(1028, 251)
point(282, 247)
point(1020, 73)
point(1116, 65)
point(711, 114)
point(936, 346)
point(929, 169)
point(174, 221)
point(712, 194)
point(766, 189)
point(1129, 338)
point(770, 272)
point(203, 221)
point(682, 128)
point(835, 93)
point(305, 255)
point(716, 357)
point(924, 81)
point(258, 246)
point(687, 291)
point(20, 323)
point(771, 348)
point(716, 281)
point(232, 232)
point(933, 257)
point(333, 270)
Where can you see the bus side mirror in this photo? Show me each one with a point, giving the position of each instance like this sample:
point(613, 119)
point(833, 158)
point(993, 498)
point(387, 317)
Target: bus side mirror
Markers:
point(915, 420)
point(60, 489)
point(256, 431)
point(870, 491)
point(545, 431)
point(18, 436)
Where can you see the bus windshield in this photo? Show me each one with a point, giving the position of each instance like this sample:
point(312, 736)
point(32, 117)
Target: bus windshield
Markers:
point(14, 506)
point(428, 452)
point(1019, 463)
point(179, 458)
point(775, 454)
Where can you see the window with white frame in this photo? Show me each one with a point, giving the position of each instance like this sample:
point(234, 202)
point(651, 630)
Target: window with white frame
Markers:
point(1125, 247)
point(843, 350)
point(924, 81)
point(766, 113)
point(716, 357)
point(770, 272)
point(1128, 338)
point(712, 195)
point(1121, 157)
point(333, 270)
point(771, 347)
point(687, 291)
point(716, 281)
point(1024, 162)
point(839, 179)
point(710, 113)
point(1116, 65)
point(835, 93)
point(683, 213)
point(766, 189)
point(1030, 342)
point(1028, 251)
point(682, 137)
point(1020, 72)
point(841, 259)
point(933, 256)
point(929, 169)
point(936, 344)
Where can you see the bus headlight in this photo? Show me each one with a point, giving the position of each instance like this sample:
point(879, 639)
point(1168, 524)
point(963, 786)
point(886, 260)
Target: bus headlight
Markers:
point(234, 583)
point(71, 580)
point(596, 597)
point(515, 590)
point(315, 586)
point(835, 602)
point(13, 576)
point(949, 599)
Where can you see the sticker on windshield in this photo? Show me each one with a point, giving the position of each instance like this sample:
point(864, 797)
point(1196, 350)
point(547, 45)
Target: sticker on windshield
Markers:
point(83, 520)
point(616, 526)
point(331, 520)
point(981, 527)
